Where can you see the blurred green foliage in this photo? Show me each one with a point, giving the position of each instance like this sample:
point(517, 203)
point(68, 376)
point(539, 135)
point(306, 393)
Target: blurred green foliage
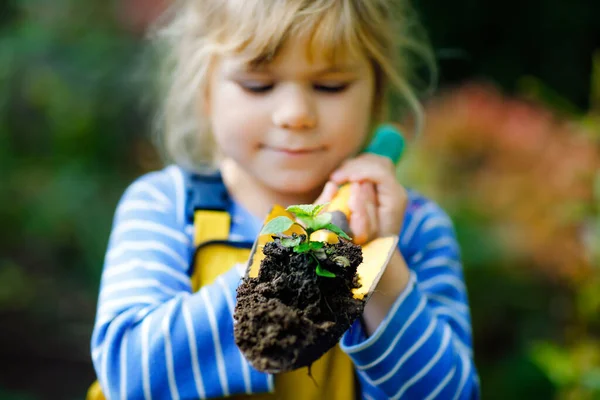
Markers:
point(72, 135)
point(521, 185)
point(74, 128)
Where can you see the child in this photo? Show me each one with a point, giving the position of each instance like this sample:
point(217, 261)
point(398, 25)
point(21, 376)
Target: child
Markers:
point(280, 96)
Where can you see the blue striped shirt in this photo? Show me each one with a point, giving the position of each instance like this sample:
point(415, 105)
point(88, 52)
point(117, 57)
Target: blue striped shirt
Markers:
point(155, 339)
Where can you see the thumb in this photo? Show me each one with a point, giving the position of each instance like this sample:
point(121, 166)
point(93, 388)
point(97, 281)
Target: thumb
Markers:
point(329, 191)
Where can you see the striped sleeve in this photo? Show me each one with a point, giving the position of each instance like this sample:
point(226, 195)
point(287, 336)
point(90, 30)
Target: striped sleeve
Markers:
point(423, 348)
point(153, 338)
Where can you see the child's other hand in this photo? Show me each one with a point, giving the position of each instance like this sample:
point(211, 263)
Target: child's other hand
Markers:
point(377, 201)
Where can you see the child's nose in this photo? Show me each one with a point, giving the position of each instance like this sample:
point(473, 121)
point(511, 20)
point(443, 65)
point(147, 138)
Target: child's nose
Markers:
point(295, 110)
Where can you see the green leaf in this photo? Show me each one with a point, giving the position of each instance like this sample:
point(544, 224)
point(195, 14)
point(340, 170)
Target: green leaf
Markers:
point(291, 241)
point(302, 247)
point(306, 210)
point(320, 221)
point(302, 210)
point(277, 225)
point(306, 221)
point(318, 208)
point(323, 272)
point(316, 245)
point(335, 229)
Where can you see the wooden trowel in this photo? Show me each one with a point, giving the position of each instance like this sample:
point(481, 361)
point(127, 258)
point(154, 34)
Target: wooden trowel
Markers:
point(387, 142)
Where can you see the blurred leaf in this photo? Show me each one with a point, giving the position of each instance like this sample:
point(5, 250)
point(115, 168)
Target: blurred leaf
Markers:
point(591, 380)
point(556, 362)
point(534, 89)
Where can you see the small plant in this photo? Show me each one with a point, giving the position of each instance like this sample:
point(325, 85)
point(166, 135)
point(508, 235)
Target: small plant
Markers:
point(301, 301)
point(312, 220)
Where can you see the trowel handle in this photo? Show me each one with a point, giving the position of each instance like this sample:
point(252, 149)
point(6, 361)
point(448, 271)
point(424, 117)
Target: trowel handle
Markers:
point(340, 201)
point(387, 142)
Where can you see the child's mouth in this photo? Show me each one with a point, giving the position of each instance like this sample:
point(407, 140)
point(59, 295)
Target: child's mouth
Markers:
point(294, 152)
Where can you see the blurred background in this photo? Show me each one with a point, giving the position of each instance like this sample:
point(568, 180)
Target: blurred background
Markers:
point(511, 150)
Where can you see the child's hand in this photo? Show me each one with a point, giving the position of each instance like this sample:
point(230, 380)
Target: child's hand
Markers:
point(377, 203)
point(377, 200)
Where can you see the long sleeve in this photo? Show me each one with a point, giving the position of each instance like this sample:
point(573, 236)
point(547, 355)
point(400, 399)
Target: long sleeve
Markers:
point(153, 338)
point(422, 349)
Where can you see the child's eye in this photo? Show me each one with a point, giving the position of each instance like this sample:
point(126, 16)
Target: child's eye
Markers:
point(331, 88)
point(256, 87)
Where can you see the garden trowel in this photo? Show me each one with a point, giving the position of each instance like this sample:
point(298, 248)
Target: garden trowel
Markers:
point(387, 142)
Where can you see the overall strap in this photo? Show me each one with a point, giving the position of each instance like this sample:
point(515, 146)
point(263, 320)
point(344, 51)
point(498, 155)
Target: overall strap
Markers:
point(205, 191)
point(206, 206)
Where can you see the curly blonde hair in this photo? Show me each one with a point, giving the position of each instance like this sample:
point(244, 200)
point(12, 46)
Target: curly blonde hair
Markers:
point(193, 32)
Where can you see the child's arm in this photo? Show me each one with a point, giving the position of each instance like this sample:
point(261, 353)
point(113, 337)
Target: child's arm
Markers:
point(422, 349)
point(153, 337)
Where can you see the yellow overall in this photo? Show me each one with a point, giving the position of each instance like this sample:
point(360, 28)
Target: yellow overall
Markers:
point(333, 373)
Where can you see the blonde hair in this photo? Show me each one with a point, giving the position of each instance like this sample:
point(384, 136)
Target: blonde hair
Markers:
point(193, 32)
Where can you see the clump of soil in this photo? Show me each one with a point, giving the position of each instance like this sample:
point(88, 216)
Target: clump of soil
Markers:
point(289, 316)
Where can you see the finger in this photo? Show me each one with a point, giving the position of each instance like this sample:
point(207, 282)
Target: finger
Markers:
point(364, 220)
point(367, 173)
point(328, 193)
point(371, 207)
point(358, 217)
point(385, 183)
point(371, 169)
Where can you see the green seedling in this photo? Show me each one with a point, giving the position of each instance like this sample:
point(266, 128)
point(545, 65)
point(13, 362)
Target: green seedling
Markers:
point(312, 220)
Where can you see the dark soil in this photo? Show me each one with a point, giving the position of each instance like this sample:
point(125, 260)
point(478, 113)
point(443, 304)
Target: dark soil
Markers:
point(289, 316)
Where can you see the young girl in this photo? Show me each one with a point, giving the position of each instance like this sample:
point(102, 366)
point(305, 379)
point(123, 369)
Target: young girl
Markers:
point(280, 96)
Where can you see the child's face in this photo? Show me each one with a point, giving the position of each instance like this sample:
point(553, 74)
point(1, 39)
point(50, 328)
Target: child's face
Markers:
point(290, 123)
